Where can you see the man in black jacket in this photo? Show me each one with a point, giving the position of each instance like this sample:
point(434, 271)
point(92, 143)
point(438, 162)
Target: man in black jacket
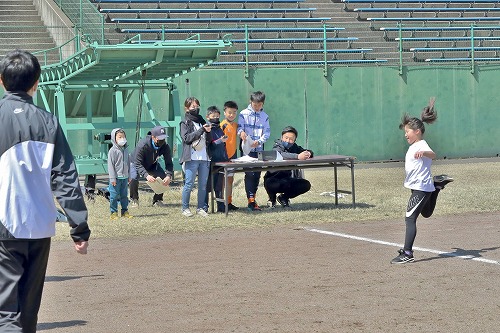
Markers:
point(145, 159)
point(37, 164)
point(287, 182)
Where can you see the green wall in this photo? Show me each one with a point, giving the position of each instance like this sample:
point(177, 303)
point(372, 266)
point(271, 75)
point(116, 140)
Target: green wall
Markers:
point(357, 110)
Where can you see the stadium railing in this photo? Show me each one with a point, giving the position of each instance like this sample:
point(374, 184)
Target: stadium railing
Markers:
point(221, 20)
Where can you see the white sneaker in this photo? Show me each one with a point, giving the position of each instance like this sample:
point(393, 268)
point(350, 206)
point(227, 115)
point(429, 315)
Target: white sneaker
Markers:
point(187, 213)
point(201, 212)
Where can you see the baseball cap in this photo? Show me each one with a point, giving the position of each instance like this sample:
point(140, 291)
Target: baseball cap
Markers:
point(159, 132)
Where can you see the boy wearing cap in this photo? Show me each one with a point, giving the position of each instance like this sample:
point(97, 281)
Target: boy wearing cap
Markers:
point(145, 159)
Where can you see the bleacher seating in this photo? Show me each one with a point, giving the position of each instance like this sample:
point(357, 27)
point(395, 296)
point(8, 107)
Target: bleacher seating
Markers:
point(434, 29)
point(278, 32)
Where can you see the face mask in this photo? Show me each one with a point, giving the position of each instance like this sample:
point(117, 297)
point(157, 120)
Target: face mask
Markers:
point(122, 142)
point(194, 112)
point(286, 144)
point(214, 120)
point(157, 144)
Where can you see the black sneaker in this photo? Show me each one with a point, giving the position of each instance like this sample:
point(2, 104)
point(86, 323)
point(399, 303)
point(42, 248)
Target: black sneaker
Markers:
point(271, 204)
point(230, 206)
point(441, 180)
point(159, 204)
point(284, 202)
point(252, 206)
point(221, 208)
point(403, 258)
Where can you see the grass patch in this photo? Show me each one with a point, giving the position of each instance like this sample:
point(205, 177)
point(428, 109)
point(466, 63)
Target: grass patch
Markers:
point(379, 195)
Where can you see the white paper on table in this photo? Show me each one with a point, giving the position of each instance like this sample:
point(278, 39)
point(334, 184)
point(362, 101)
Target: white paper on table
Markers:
point(245, 158)
point(278, 156)
point(157, 186)
point(246, 145)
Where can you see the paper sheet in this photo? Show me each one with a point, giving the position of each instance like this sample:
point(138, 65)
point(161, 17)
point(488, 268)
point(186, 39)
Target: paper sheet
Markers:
point(245, 158)
point(157, 186)
point(246, 145)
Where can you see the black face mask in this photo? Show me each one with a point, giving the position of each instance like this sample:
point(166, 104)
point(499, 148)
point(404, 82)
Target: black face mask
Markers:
point(160, 143)
point(194, 112)
point(214, 120)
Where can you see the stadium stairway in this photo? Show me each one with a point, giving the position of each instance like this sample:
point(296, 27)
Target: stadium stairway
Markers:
point(21, 27)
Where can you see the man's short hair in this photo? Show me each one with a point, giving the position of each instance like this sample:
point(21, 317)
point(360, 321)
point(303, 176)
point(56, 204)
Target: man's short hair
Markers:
point(212, 109)
point(230, 105)
point(290, 129)
point(258, 97)
point(19, 70)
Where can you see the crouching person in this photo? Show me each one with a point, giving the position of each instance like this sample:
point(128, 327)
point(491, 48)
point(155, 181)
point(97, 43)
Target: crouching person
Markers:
point(284, 185)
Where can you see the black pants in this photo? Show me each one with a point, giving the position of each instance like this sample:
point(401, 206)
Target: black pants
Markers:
point(290, 187)
point(252, 180)
point(23, 264)
point(134, 184)
point(420, 203)
point(218, 188)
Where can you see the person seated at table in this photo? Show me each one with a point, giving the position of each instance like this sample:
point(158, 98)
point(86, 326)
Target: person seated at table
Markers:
point(287, 183)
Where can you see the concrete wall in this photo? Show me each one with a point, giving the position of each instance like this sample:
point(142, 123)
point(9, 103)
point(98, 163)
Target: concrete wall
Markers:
point(57, 23)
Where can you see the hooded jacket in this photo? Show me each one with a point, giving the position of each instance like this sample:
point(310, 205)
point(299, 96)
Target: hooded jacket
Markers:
point(118, 159)
point(255, 125)
point(36, 164)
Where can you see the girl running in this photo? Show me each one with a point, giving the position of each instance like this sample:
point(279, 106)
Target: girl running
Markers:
point(424, 188)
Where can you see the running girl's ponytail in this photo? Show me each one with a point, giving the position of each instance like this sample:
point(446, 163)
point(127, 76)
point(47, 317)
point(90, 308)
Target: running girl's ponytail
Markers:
point(429, 115)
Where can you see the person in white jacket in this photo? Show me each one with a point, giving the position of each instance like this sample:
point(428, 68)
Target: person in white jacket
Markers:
point(37, 164)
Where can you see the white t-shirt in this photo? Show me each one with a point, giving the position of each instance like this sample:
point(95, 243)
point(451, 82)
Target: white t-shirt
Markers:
point(418, 171)
point(199, 147)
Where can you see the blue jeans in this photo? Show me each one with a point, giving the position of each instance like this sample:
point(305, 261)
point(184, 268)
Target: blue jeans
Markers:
point(191, 169)
point(118, 193)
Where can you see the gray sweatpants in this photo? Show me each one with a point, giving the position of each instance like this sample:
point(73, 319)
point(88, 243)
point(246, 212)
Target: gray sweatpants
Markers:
point(23, 264)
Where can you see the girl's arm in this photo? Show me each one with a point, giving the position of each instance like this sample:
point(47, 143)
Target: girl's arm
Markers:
point(429, 154)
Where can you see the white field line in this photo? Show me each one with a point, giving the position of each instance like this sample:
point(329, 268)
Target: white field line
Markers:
point(364, 239)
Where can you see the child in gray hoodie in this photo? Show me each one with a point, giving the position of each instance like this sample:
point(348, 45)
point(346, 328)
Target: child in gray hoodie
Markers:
point(119, 173)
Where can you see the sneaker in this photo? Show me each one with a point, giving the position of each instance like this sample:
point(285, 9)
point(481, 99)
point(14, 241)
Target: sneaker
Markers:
point(187, 212)
point(133, 203)
point(221, 208)
point(230, 206)
point(403, 257)
point(201, 212)
point(271, 204)
point(159, 204)
point(284, 202)
point(113, 216)
point(252, 206)
point(441, 180)
point(127, 215)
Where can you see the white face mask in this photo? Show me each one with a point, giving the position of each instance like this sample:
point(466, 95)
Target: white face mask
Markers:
point(122, 142)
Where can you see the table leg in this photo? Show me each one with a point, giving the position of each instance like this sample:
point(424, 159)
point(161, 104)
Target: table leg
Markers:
point(336, 185)
point(212, 190)
point(226, 208)
point(352, 185)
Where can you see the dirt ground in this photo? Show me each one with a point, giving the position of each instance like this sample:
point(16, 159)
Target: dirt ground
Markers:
point(284, 279)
